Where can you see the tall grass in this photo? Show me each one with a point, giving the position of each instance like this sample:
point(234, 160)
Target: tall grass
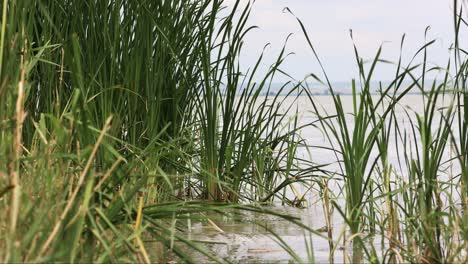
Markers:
point(123, 121)
point(461, 97)
point(113, 112)
point(355, 144)
point(423, 196)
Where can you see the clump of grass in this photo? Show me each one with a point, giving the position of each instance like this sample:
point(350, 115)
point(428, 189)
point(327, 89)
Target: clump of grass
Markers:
point(360, 141)
point(185, 119)
point(356, 143)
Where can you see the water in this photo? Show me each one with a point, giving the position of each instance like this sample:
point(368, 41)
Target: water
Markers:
point(243, 240)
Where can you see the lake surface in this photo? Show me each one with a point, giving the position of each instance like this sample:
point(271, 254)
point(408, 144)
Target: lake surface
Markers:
point(242, 240)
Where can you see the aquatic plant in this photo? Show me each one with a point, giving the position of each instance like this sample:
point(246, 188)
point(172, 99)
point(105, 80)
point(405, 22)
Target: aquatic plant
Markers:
point(121, 107)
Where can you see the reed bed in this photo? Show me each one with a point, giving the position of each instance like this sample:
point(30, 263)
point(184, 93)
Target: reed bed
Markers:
point(124, 121)
point(118, 116)
point(416, 203)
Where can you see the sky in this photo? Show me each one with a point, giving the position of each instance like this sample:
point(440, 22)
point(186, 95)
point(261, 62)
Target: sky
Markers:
point(374, 23)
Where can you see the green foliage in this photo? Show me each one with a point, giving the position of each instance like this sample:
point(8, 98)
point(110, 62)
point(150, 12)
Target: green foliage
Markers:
point(104, 102)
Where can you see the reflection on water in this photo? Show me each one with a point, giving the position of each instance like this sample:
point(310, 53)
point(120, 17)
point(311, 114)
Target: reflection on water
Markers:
point(245, 239)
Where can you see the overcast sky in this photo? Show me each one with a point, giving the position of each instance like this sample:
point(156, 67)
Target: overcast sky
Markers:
point(374, 22)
